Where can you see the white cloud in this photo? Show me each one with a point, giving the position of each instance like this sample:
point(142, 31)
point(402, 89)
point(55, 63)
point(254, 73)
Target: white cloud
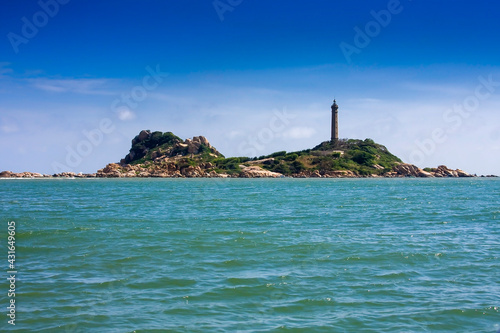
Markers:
point(8, 125)
point(9, 128)
point(444, 88)
point(234, 134)
point(79, 86)
point(4, 69)
point(299, 133)
point(125, 114)
point(173, 98)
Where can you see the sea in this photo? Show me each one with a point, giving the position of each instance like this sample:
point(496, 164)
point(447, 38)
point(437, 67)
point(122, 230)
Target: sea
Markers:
point(251, 255)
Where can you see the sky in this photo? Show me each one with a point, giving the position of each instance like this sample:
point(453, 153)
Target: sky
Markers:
point(80, 78)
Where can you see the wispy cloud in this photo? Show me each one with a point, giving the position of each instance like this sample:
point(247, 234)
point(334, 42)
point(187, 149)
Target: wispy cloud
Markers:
point(172, 98)
point(299, 133)
point(78, 86)
point(9, 128)
point(446, 88)
point(234, 134)
point(4, 68)
point(8, 125)
point(125, 114)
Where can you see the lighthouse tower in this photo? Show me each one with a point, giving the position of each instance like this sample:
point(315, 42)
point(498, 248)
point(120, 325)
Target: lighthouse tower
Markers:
point(335, 122)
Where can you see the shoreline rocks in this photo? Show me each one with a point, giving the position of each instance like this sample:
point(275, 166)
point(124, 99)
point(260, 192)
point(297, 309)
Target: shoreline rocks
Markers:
point(205, 170)
point(164, 155)
point(257, 172)
point(170, 169)
point(33, 175)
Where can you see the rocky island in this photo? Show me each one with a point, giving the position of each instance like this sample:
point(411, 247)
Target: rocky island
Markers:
point(157, 154)
point(165, 155)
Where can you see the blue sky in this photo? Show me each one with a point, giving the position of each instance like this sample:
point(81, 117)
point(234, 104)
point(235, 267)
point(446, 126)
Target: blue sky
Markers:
point(79, 79)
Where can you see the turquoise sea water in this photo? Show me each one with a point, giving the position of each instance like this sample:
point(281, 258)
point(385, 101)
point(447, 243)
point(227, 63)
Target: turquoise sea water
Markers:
point(251, 255)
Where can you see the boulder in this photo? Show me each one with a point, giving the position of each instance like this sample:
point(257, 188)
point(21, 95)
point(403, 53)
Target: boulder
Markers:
point(212, 174)
point(129, 174)
point(112, 170)
point(203, 141)
point(6, 174)
point(424, 174)
point(410, 170)
point(193, 147)
point(342, 174)
point(176, 174)
point(462, 173)
point(160, 174)
point(111, 167)
point(265, 161)
point(206, 165)
point(180, 146)
point(65, 175)
point(143, 135)
point(257, 172)
point(443, 171)
point(192, 171)
point(155, 155)
point(315, 174)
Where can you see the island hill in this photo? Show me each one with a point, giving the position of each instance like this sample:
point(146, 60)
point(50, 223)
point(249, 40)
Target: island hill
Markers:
point(165, 155)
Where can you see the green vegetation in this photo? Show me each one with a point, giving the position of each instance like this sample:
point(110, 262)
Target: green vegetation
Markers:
point(363, 157)
point(142, 151)
point(229, 165)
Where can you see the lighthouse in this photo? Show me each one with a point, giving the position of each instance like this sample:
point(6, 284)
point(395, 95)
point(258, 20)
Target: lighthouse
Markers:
point(335, 122)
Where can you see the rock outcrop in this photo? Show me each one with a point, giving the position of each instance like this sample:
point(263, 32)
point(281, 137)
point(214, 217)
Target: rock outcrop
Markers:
point(410, 170)
point(444, 171)
point(206, 170)
point(159, 170)
point(326, 174)
point(164, 155)
point(9, 174)
point(257, 172)
point(158, 145)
